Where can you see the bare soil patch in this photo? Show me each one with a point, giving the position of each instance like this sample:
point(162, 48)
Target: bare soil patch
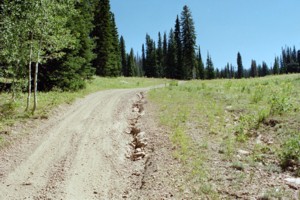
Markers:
point(78, 153)
point(105, 146)
point(158, 175)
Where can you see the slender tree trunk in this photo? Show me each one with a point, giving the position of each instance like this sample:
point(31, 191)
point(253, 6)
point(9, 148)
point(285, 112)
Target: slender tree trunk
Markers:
point(13, 97)
point(29, 77)
point(35, 82)
point(13, 86)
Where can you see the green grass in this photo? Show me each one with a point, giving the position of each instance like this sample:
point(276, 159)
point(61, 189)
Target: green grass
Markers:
point(290, 153)
point(13, 112)
point(228, 115)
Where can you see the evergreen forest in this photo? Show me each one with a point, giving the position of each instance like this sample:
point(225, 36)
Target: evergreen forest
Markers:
point(59, 45)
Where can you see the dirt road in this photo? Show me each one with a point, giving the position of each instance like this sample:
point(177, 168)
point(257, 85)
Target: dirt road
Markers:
point(78, 154)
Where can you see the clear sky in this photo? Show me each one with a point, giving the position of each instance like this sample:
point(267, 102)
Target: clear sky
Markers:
point(256, 28)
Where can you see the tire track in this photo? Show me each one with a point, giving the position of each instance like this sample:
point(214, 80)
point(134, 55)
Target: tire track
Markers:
point(81, 154)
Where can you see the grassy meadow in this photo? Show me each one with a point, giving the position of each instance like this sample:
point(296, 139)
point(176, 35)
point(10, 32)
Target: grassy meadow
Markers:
point(234, 138)
point(226, 131)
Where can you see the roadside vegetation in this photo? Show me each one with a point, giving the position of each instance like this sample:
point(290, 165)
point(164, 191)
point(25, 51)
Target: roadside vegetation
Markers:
point(235, 138)
point(12, 112)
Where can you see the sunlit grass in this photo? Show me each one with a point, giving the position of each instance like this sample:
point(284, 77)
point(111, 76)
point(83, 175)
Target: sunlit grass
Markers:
point(226, 114)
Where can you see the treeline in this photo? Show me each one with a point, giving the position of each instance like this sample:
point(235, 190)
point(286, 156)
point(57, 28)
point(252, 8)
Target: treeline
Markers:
point(174, 55)
point(287, 62)
point(164, 61)
point(52, 44)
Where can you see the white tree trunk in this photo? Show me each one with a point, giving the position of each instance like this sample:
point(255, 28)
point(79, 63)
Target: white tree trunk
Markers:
point(35, 82)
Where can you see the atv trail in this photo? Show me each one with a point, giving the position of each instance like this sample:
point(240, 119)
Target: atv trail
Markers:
point(78, 154)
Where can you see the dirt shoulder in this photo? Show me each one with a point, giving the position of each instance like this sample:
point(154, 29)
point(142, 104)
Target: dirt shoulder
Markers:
point(84, 151)
point(158, 175)
point(78, 153)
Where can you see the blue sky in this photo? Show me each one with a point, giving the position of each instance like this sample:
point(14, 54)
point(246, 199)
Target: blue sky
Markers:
point(256, 28)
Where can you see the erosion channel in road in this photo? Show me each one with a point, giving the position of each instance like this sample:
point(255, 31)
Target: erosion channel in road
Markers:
point(78, 153)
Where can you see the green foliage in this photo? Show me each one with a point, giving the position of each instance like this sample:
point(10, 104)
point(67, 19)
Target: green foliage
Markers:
point(225, 116)
point(13, 112)
point(240, 66)
point(178, 54)
point(107, 61)
point(150, 66)
point(289, 60)
point(175, 58)
point(228, 85)
point(180, 139)
point(228, 147)
point(160, 57)
point(210, 71)
point(258, 94)
point(279, 104)
point(262, 116)
point(71, 71)
point(290, 153)
point(116, 70)
point(200, 66)
point(123, 57)
point(131, 65)
point(238, 166)
point(188, 42)
point(253, 70)
point(174, 83)
point(8, 109)
point(265, 69)
point(34, 31)
point(14, 30)
point(172, 68)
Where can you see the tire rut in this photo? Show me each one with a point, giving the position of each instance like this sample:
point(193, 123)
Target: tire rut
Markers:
point(80, 155)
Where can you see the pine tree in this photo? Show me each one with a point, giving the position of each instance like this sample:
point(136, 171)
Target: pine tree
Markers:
point(71, 71)
point(131, 66)
point(178, 65)
point(276, 66)
point(298, 60)
point(139, 65)
point(265, 69)
point(232, 71)
point(171, 56)
point(143, 59)
point(253, 71)
point(200, 69)
point(103, 33)
point(117, 66)
point(289, 60)
point(217, 74)
point(210, 71)
point(259, 70)
point(123, 56)
point(165, 52)
point(188, 42)
point(283, 62)
point(294, 55)
point(160, 70)
point(151, 58)
point(240, 66)
point(227, 71)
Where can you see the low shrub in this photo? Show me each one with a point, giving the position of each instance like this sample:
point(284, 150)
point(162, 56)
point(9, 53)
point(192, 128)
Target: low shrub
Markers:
point(290, 154)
